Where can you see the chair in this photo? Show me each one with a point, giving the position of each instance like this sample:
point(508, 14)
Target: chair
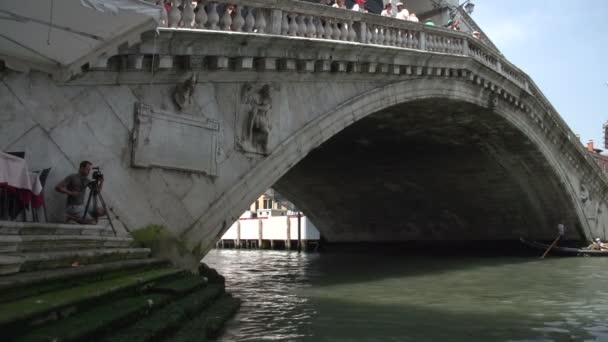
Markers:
point(42, 177)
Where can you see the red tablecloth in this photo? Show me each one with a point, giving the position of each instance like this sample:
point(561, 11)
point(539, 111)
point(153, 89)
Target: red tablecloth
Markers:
point(18, 181)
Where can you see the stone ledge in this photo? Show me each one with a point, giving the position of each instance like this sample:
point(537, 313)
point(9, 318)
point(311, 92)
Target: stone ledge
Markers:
point(10, 264)
point(50, 260)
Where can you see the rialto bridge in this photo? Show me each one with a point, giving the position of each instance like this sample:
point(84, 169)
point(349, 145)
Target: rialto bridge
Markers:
point(379, 129)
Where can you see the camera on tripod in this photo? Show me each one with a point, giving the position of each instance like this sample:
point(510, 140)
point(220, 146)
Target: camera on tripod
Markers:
point(97, 175)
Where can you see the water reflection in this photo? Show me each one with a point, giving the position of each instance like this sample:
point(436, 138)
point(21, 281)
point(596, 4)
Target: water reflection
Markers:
point(353, 297)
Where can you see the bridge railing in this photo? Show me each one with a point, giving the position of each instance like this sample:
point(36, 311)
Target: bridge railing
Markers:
point(304, 19)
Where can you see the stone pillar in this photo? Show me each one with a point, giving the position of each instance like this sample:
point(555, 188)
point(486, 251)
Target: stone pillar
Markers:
point(276, 17)
point(422, 43)
point(361, 29)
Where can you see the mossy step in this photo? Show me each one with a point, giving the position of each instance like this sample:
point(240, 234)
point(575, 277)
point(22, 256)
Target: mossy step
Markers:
point(28, 284)
point(49, 260)
point(179, 286)
point(33, 243)
point(167, 320)
point(89, 325)
point(106, 317)
point(19, 312)
point(209, 322)
point(29, 228)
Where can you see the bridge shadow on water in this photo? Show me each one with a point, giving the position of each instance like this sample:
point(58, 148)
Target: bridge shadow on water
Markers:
point(466, 291)
point(413, 259)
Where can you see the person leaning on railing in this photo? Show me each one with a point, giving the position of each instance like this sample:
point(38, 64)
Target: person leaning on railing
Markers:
point(339, 4)
point(359, 6)
point(402, 12)
point(388, 10)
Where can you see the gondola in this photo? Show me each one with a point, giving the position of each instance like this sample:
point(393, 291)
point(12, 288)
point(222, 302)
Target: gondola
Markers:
point(564, 250)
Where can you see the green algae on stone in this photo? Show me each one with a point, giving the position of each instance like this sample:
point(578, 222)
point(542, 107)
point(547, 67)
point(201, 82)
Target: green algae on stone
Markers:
point(43, 303)
point(100, 320)
point(165, 244)
point(167, 320)
point(209, 322)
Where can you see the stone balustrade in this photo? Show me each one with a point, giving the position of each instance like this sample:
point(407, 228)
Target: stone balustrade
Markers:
point(307, 20)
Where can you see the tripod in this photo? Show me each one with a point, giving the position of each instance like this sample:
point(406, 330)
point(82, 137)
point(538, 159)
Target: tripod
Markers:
point(94, 195)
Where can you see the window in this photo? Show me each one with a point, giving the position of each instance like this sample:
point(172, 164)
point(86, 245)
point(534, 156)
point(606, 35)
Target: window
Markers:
point(267, 204)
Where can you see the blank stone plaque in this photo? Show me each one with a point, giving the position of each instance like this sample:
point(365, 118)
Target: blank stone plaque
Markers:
point(174, 141)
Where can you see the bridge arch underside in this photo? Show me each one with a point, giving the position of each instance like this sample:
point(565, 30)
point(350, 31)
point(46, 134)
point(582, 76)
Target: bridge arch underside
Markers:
point(432, 169)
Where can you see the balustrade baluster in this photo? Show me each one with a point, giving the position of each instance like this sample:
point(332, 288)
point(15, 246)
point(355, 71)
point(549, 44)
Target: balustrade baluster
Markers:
point(320, 29)
point(301, 26)
point(375, 30)
point(369, 36)
point(344, 31)
point(175, 16)
point(187, 14)
point(285, 24)
point(293, 25)
point(381, 32)
point(249, 20)
point(352, 34)
point(201, 16)
point(387, 36)
point(311, 30)
point(238, 21)
point(398, 38)
point(328, 29)
point(335, 28)
point(213, 16)
point(260, 21)
point(226, 21)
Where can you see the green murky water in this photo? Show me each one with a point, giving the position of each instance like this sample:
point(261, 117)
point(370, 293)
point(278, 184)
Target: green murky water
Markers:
point(362, 297)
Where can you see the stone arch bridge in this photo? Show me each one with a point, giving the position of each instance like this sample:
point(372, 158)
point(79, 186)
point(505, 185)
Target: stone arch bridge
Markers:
point(379, 129)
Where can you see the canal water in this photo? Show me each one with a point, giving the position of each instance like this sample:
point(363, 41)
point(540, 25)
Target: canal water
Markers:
point(354, 296)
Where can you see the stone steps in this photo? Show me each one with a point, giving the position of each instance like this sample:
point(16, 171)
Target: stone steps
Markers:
point(26, 314)
point(34, 261)
point(19, 285)
point(150, 309)
point(36, 228)
point(39, 243)
point(10, 264)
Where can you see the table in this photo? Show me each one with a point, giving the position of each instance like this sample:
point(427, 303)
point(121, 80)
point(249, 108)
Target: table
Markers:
point(17, 182)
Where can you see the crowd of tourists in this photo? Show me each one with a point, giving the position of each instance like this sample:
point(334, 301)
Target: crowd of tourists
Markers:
point(399, 12)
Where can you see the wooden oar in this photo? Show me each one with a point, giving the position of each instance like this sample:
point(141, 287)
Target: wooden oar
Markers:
point(551, 246)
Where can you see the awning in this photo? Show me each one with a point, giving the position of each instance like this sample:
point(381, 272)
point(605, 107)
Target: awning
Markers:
point(61, 36)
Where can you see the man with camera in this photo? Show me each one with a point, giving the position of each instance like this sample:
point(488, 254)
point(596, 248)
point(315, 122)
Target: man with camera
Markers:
point(74, 186)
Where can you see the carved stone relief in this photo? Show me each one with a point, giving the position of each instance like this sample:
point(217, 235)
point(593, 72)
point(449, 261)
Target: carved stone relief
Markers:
point(179, 142)
point(255, 117)
point(182, 94)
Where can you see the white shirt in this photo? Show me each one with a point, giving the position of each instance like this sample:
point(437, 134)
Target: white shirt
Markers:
point(413, 17)
point(356, 8)
point(404, 14)
point(386, 13)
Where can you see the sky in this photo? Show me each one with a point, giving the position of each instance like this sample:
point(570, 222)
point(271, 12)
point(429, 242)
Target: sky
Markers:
point(563, 46)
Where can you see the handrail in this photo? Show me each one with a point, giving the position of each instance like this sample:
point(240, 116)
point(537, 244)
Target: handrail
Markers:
point(304, 19)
